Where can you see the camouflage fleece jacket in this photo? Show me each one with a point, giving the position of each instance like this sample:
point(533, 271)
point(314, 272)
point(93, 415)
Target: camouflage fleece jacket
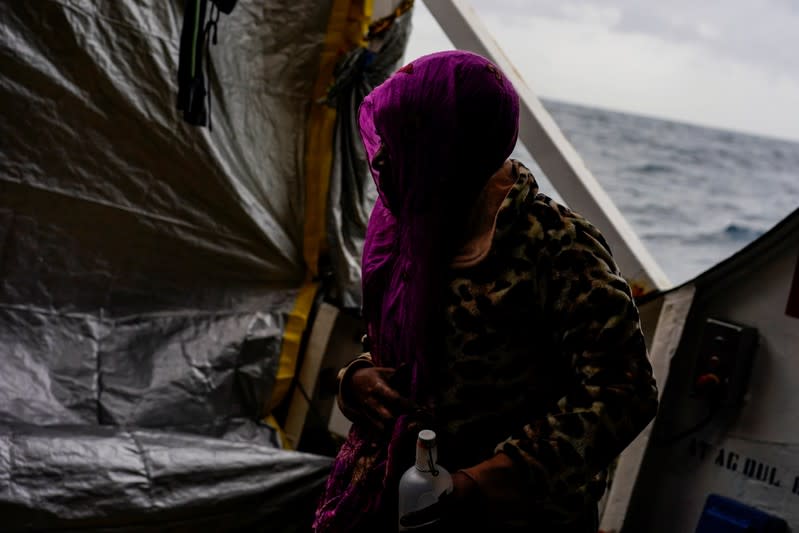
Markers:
point(545, 378)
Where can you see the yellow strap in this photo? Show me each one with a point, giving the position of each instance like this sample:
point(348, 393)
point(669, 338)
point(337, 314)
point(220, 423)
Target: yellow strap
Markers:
point(284, 440)
point(289, 353)
point(381, 25)
point(346, 29)
point(292, 337)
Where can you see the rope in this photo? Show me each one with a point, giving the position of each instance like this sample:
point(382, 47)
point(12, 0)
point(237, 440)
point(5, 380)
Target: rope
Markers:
point(379, 27)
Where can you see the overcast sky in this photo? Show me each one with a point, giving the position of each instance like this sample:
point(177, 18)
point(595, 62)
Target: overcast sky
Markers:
point(732, 64)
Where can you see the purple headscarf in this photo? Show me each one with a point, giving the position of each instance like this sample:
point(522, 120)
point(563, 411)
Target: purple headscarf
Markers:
point(434, 132)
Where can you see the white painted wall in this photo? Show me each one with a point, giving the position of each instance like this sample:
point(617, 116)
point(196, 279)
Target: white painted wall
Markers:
point(675, 482)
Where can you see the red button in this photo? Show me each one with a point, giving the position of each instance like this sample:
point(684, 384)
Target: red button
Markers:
point(707, 381)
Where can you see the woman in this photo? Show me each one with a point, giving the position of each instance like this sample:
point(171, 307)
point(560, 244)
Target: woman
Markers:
point(495, 316)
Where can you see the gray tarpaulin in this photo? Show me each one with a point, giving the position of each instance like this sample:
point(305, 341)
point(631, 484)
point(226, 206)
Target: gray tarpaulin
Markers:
point(147, 266)
point(352, 191)
point(108, 479)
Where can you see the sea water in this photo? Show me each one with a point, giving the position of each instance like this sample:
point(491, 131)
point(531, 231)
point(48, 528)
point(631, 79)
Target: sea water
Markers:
point(693, 195)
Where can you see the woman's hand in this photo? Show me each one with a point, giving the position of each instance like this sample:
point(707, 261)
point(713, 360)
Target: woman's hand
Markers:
point(464, 488)
point(370, 395)
point(459, 508)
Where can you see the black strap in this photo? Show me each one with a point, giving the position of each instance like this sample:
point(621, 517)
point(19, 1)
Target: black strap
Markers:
point(196, 37)
point(191, 82)
point(211, 26)
point(225, 6)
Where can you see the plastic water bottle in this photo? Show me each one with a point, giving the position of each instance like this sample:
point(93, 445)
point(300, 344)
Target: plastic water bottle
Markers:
point(421, 487)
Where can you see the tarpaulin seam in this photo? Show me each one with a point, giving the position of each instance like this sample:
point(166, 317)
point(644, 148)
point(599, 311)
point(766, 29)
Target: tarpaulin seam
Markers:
point(12, 446)
point(127, 209)
point(147, 469)
point(35, 63)
point(95, 14)
point(98, 367)
point(122, 319)
point(47, 311)
point(177, 226)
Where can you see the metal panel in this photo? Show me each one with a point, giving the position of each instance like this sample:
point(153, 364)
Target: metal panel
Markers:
point(749, 453)
point(668, 333)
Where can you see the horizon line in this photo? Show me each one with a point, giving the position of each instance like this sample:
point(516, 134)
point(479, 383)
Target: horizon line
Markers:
point(662, 118)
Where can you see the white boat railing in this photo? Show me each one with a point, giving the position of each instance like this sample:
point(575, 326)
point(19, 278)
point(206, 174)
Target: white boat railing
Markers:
point(554, 153)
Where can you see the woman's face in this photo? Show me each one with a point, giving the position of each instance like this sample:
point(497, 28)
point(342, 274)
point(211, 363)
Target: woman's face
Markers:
point(386, 186)
point(437, 132)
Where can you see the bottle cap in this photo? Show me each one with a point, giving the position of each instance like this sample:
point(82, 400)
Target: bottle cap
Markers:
point(427, 438)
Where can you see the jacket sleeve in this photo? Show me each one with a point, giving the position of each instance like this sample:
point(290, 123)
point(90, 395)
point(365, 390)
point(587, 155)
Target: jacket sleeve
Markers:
point(613, 395)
